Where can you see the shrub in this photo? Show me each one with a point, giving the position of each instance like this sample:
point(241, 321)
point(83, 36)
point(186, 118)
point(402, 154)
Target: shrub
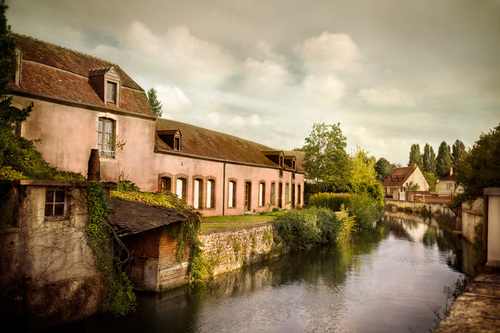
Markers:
point(366, 209)
point(333, 201)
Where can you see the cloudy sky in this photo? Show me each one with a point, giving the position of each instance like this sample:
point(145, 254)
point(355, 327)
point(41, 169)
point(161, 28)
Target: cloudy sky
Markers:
point(392, 72)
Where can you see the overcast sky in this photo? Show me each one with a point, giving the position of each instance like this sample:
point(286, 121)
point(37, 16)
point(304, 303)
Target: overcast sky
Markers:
point(392, 72)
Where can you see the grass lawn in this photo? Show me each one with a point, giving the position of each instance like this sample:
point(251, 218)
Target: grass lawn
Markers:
point(219, 222)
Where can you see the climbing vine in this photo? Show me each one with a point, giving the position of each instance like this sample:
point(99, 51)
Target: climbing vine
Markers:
point(119, 297)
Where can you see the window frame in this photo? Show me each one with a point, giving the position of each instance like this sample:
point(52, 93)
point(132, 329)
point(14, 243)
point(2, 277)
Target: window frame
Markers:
point(55, 202)
point(231, 193)
point(262, 193)
point(103, 136)
point(183, 195)
point(112, 94)
point(198, 199)
point(210, 194)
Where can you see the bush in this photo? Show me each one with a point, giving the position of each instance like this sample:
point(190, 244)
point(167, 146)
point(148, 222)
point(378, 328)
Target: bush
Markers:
point(366, 209)
point(333, 201)
point(304, 229)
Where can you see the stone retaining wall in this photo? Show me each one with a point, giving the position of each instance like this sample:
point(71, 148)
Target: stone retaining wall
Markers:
point(233, 248)
point(437, 210)
point(472, 215)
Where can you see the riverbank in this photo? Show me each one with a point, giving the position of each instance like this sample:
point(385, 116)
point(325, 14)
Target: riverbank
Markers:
point(477, 309)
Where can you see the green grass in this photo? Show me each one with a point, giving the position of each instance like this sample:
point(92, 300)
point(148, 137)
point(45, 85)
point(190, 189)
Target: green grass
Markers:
point(219, 222)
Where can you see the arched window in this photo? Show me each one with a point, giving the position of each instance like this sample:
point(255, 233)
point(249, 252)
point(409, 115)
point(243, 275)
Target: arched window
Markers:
point(210, 202)
point(198, 193)
point(165, 184)
point(262, 194)
point(231, 201)
point(180, 188)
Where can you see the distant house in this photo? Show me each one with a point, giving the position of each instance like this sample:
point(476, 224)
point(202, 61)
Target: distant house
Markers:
point(83, 103)
point(401, 178)
point(447, 186)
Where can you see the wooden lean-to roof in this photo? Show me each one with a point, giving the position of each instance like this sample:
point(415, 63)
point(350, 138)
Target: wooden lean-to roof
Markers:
point(399, 176)
point(133, 217)
point(55, 72)
point(205, 143)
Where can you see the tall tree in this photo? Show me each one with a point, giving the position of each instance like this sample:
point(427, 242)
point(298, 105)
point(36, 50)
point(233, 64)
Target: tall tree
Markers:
point(415, 155)
point(429, 159)
point(443, 160)
point(457, 151)
point(383, 168)
point(326, 161)
point(479, 167)
point(155, 103)
point(362, 167)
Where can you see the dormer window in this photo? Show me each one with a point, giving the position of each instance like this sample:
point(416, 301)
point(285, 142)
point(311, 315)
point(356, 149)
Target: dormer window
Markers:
point(106, 83)
point(277, 156)
point(111, 92)
point(173, 138)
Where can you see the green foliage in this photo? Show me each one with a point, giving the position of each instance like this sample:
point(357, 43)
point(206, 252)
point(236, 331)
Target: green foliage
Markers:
point(415, 155)
point(119, 297)
point(326, 161)
point(431, 180)
point(155, 103)
point(429, 159)
point(478, 168)
point(383, 168)
point(362, 167)
point(366, 211)
point(126, 186)
point(443, 160)
point(371, 189)
point(8, 63)
point(410, 186)
point(303, 229)
point(333, 201)
point(457, 152)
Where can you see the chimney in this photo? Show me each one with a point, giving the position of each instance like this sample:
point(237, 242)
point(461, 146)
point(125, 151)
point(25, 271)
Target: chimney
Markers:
point(94, 172)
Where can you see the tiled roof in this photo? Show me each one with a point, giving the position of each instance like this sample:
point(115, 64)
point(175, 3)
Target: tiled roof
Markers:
point(399, 176)
point(132, 217)
point(448, 178)
point(57, 72)
point(211, 144)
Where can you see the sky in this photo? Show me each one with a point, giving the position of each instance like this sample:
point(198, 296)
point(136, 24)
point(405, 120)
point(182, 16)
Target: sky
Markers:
point(391, 72)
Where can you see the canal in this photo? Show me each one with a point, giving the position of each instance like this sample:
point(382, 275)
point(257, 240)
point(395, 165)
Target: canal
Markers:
point(397, 278)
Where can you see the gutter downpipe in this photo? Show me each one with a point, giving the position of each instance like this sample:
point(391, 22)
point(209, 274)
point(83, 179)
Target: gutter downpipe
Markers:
point(224, 190)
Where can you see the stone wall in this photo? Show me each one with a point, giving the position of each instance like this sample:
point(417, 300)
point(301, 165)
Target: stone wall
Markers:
point(472, 215)
point(233, 248)
point(436, 210)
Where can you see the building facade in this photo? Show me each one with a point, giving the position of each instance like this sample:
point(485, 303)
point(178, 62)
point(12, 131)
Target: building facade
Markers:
point(81, 103)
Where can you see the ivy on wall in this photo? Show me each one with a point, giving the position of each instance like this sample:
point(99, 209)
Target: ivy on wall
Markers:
point(119, 297)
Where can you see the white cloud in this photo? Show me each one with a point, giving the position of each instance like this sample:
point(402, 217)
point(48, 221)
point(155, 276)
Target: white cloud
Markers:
point(264, 76)
point(177, 55)
point(387, 97)
point(329, 52)
point(324, 88)
point(237, 121)
point(173, 99)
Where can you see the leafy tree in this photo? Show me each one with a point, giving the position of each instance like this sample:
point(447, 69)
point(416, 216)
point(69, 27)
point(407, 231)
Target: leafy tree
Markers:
point(410, 186)
point(443, 160)
point(326, 161)
point(479, 167)
point(429, 159)
point(362, 167)
point(383, 168)
point(415, 155)
point(457, 151)
point(431, 180)
point(155, 103)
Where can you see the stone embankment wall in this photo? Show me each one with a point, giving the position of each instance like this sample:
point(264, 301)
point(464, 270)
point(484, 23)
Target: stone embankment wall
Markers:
point(233, 248)
point(436, 210)
point(472, 216)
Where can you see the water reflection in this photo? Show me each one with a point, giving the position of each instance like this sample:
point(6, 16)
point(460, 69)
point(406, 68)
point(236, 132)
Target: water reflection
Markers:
point(389, 279)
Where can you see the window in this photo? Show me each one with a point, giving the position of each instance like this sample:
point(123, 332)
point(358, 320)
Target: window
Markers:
point(298, 195)
point(231, 201)
point(248, 196)
point(262, 194)
point(273, 194)
point(449, 186)
point(210, 193)
point(198, 193)
point(287, 193)
point(181, 188)
point(166, 184)
point(106, 137)
point(55, 202)
point(177, 143)
point(111, 92)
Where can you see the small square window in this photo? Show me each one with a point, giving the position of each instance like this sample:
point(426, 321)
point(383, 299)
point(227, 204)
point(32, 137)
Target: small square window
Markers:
point(55, 203)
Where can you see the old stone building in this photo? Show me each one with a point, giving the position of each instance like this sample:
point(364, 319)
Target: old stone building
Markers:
point(81, 103)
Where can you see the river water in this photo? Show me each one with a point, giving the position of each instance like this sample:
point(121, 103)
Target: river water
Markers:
point(397, 278)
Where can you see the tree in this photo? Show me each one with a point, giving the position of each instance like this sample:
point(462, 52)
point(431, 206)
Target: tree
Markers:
point(383, 168)
point(429, 159)
point(415, 155)
point(362, 167)
point(326, 161)
point(457, 151)
point(443, 160)
point(155, 103)
point(479, 167)
point(431, 180)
